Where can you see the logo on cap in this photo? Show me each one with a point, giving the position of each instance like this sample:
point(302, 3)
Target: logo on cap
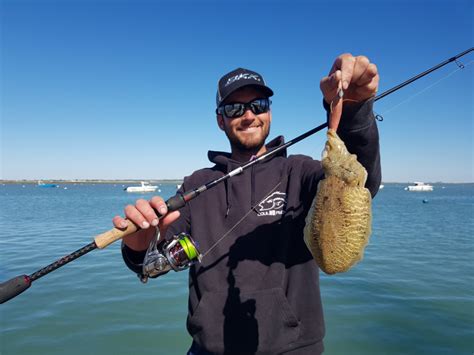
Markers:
point(246, 76)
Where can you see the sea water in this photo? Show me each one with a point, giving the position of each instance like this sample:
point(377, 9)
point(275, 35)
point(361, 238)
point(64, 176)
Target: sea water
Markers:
point(412, 294)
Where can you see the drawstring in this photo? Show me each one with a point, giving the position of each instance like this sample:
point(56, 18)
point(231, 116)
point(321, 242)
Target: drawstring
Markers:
point(228, 192)
point(228, 187)
point(227, 197)
point(252, 171)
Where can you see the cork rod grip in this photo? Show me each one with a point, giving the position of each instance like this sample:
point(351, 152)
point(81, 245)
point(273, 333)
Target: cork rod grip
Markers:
point(105, 239)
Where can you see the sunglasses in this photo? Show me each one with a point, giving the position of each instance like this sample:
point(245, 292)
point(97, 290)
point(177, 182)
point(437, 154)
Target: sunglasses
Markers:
point(237, 109)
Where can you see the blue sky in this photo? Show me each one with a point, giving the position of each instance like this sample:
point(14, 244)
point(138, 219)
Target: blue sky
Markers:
point(126, 89)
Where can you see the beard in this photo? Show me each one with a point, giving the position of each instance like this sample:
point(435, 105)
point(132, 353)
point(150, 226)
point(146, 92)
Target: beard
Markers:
point(247, 144)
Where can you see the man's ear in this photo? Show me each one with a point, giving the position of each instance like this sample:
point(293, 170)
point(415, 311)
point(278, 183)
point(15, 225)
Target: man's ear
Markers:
point(220, 121)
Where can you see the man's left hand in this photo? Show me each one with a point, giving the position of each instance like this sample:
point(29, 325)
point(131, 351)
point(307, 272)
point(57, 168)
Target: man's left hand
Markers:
point(355, 75)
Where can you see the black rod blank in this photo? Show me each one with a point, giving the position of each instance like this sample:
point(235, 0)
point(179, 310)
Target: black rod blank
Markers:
point(416, 77)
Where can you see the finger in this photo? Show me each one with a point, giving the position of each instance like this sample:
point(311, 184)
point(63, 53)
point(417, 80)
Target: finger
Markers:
point(133, 214)
point(368, 90)
point(369, 74)
point(360, 67)
point(336, 79)
point(167, 220)
point(144, 207)
point(159, 205)
point(346, 64)
point(119, 222)
point(328, 82)
point(329, 85)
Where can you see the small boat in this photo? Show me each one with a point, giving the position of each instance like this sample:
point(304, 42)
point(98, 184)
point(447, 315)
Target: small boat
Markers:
point(42, 184)
point(178, 186)
point(419, 186)
point(381, 186)
point(144, 187)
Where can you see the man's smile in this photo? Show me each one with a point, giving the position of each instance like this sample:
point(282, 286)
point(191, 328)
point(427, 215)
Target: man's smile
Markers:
point(250, 129)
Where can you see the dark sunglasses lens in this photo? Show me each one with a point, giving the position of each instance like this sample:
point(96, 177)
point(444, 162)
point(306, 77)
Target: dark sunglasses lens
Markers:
point(259, 106)
point(237, 109)
point(234, 110)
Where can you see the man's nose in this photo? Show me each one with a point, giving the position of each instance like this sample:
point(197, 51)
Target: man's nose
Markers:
point(248, 114)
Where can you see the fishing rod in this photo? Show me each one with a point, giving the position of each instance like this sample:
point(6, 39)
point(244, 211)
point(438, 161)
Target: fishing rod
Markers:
point(179, 248)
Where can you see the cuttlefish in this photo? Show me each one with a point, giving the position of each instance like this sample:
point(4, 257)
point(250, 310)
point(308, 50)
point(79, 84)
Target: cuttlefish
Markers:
point(338, 225)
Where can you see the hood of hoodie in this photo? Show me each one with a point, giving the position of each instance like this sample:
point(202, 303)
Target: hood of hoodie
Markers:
point(225, 163)
point(224, 158)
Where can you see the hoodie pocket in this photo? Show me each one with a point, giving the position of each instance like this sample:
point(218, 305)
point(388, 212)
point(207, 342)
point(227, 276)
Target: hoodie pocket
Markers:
point(244, 322)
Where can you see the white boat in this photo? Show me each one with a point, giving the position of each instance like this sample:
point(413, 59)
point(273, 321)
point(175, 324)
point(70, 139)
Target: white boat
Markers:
point(419, 186)
point(178, 186)
point(381, 186)
point(144, 187)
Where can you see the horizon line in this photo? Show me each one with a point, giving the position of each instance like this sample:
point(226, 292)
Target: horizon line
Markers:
point(3, 181)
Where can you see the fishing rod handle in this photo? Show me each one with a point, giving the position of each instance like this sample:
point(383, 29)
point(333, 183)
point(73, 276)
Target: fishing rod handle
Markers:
point(175, 203)
point(13, 287)
point(105, 239)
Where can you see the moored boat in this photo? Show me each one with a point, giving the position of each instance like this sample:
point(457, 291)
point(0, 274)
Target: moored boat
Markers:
point(419, 186)
point(42, 184)
point(144, 187)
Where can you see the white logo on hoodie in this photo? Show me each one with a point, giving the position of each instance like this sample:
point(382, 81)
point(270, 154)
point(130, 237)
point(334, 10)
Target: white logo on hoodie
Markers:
point(273, 205)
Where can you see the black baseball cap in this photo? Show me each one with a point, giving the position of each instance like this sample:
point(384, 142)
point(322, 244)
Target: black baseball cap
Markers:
point(237, 79)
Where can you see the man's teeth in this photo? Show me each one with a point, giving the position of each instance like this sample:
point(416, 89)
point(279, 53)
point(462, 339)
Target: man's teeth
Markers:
point(250, 128)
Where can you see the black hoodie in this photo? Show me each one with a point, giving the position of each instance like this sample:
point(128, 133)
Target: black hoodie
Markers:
point(257, 290)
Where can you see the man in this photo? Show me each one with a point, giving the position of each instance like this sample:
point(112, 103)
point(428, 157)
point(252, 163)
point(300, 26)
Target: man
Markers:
point(257, 289)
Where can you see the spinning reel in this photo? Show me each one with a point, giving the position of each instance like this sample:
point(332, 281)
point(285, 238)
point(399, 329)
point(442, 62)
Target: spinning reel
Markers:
point(177, 254)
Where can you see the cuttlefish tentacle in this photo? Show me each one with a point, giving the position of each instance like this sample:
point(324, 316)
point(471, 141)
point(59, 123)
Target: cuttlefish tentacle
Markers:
point(335, 113)
point(338, 225)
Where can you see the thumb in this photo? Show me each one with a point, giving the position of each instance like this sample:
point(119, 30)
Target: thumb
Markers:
point(329, 85)
point(166, 221)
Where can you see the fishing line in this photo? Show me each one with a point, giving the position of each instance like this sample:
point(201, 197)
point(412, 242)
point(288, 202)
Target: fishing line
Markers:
point(239, 221)
point(461, 67)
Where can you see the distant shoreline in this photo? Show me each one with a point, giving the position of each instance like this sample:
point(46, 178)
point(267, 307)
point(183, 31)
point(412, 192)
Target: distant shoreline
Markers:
point(94, 181)
point(159, 181)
